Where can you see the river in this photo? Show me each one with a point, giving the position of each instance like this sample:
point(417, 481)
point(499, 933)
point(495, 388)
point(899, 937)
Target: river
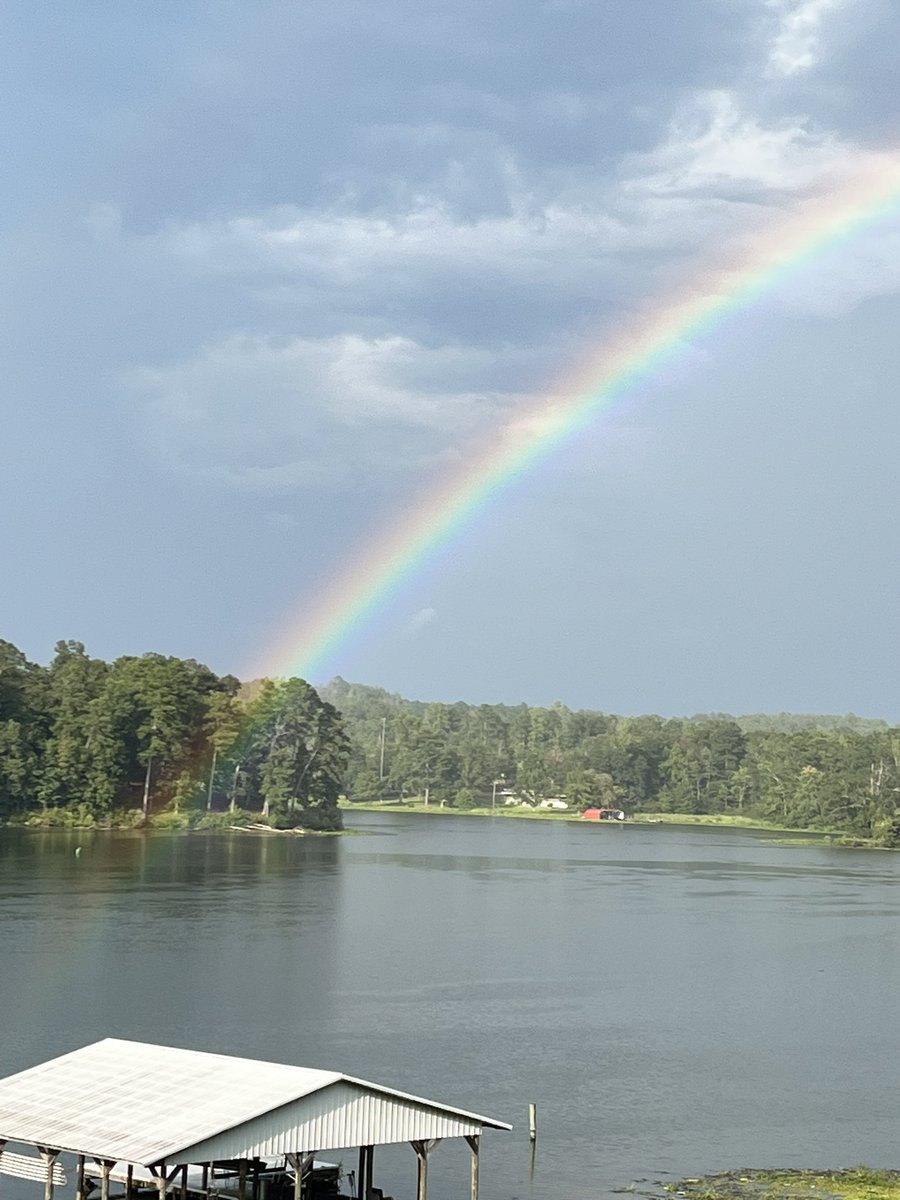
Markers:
point(674, 1000)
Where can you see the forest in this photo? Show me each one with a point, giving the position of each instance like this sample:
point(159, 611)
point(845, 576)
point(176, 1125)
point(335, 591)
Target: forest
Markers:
point(803, 772)
point(162, 739)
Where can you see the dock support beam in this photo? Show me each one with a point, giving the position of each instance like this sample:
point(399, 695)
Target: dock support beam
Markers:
point(79, 1179)
point(423, 1149)
point(474, 1141)
point(364, 1182)
point(302, 1164)
point(370, 1171)
point(129, 1183)
point(105, 1167)
point(162, 1179)
point(50, 1157)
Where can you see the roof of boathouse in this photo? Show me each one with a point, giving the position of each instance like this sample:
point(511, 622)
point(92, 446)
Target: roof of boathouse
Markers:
point(139, 1103)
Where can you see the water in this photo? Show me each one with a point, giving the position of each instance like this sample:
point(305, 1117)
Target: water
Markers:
point(674, 1000)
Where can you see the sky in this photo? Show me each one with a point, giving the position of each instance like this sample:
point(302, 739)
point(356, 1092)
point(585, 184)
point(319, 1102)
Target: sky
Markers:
point(271, 271)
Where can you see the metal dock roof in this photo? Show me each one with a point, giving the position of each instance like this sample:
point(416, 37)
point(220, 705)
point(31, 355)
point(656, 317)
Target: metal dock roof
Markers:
point(133, 1102)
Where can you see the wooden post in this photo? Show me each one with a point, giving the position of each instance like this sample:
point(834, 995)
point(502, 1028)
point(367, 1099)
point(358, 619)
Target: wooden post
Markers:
point(242, 1180)
point(105, 1167)
point(532, 1122)
point(370, 1171)
point(474, 1141)
point(161, 1181)
point(422, 1180)
point(204, 1179)
point(421, 1149)
point(362, 1186)
point(50, 1157)
point(129, 1182)
point(184, 1182)
point(296, 1161)
point(79, 1178)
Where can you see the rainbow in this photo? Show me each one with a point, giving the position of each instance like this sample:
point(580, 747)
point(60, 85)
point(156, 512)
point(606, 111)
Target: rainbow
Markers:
point(816, 225)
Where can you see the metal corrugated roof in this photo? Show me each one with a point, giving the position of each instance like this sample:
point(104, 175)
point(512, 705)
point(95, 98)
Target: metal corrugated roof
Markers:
point(134, 1102)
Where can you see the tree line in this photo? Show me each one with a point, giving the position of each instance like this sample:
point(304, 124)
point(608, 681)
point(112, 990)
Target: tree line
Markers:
point(156, 737)
point(83, 740)
point(837, 773)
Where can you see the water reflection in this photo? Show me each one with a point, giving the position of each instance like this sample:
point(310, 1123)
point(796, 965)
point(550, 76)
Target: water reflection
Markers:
point(673, 1000)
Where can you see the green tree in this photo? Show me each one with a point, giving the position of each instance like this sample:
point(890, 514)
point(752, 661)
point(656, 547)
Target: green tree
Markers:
point(295, 755)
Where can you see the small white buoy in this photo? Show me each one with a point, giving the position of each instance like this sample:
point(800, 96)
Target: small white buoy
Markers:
point(77, 851)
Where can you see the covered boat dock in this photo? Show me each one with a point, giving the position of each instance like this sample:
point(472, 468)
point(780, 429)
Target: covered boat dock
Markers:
point(179, 1122)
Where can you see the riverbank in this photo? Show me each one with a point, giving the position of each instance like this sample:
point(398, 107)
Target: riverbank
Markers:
point(856, 1183)
point(195, 821)
point(719, 820)
point(134, 821)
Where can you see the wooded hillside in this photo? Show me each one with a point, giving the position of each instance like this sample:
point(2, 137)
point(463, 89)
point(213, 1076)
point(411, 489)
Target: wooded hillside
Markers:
point(84, 740)
point(801, 771)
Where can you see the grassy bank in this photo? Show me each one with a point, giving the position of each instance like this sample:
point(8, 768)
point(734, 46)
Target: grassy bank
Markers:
point(720, 820)
point(857, 1183)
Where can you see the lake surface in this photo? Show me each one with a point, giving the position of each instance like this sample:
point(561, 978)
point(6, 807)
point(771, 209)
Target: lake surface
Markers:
point(674, 1000)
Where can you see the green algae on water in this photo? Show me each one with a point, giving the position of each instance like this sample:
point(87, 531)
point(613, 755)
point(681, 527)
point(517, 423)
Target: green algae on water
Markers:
point(855, 1183)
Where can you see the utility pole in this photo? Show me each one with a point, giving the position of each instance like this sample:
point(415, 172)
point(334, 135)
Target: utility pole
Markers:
point(145, 802)
point(381, 764)
point(212, 775)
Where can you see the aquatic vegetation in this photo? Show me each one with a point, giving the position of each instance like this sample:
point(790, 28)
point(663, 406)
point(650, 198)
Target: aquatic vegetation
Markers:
point(855, 1183)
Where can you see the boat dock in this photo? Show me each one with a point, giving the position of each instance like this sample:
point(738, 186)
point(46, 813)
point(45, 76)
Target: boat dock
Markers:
point(184, 1123)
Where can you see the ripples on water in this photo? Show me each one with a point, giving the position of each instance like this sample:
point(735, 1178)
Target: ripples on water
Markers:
point(675, 1000)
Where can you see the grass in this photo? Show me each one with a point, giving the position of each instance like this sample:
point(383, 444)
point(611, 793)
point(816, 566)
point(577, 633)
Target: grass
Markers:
point(855, 1183)
point(416, 806)
point(723, 820)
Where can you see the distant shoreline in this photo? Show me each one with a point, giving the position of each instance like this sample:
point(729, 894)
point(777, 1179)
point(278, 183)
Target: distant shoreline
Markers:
point(712, 820)
point(193, 823)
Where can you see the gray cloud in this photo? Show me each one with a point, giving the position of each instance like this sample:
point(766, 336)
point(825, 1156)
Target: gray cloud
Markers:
point(257, 413)
point(797, 41)
point(388, 375)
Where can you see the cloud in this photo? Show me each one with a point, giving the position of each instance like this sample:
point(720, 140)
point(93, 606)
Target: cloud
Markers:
point(716, 149)
point(257, 413)
point(282, 521)
point(371, 342)
point(104, 222)
point(418, 621)
point(401, 389)
point(796, 44)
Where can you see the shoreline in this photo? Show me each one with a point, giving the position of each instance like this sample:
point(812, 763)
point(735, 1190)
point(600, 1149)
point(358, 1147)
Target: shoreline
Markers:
point(172, 823)
point(690, 820)
point(842, 1183)
point(202, 823)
